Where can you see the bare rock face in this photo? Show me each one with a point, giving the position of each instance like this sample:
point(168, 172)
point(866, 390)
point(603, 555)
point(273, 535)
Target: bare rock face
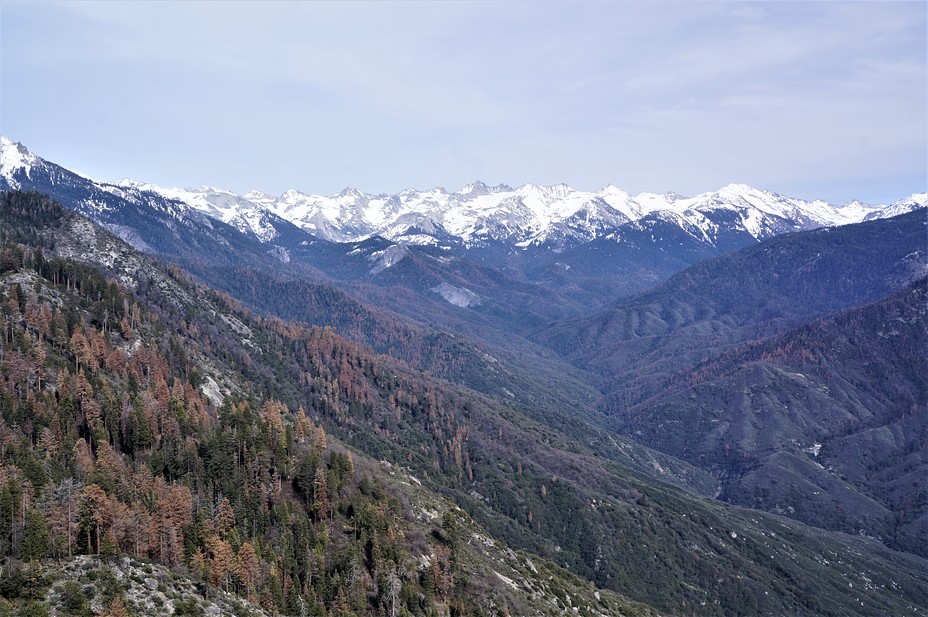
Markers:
point(457, 296)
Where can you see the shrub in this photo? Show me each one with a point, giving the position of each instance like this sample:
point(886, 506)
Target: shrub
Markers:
point(187, 607)
point(35, 609)
point(73, 600)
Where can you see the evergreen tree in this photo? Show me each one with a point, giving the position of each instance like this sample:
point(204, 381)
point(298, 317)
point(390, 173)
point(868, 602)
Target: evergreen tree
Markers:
point(34, 542)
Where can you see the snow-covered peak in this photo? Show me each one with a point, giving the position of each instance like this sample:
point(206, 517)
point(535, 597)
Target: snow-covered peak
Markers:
point(351, 193)
point(851, 212)
point(210, 189)
point(622, 202)
point(613, 190)
point(474, 188)
point(15, 158)
point(530, 215)
point(247, 216)
point(292, 204)
point(293, 195)
point(129, 183)
point(558, 191)
point(254, 195)
point(914, 201)
point(652, 202)
point(903, 206)
point(738, 190)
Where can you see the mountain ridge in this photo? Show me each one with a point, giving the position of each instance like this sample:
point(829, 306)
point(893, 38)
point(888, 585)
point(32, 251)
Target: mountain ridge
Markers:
point(824, 422)
point(556, 217)
point(756, 291)
point(531, 215)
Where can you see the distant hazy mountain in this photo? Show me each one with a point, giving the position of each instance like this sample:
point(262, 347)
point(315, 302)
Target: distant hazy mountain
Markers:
point(555, 217)
point(510, 256)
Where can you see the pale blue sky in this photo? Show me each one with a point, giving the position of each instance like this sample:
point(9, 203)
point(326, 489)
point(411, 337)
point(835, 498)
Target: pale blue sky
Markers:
point(821, 100)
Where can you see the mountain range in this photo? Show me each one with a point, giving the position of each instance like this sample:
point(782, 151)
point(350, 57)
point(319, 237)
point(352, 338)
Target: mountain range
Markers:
point(555, 217)
point(603, 381)
point(513, 258)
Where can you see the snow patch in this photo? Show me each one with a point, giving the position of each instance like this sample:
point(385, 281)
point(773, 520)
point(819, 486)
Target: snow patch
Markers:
point(419, 239)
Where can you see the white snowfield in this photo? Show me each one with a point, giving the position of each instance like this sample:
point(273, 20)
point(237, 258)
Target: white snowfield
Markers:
point(525, 216)
point(477, 214)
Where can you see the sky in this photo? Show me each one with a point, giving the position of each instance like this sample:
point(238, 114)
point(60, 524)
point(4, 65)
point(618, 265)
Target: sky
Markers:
point(816, 100)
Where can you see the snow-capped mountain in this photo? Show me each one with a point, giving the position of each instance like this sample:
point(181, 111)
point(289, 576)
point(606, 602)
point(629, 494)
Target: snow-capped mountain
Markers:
point(154, 220)
point(238, 211)
point(908, 204)
point(554, 217)
point(15, 162)
point(512, 256)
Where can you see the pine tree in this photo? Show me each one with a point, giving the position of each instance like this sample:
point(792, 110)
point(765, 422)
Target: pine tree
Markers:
point(221, 562)
point(247, 567)
point(224, 520)
point(96, 505)
point(320, 495)
point(34, 542)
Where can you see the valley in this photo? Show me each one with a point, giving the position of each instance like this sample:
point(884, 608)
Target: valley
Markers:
point(519, 401)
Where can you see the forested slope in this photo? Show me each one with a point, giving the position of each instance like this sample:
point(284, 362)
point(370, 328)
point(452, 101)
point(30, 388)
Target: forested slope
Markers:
point(167, 397)
point(827, 423)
